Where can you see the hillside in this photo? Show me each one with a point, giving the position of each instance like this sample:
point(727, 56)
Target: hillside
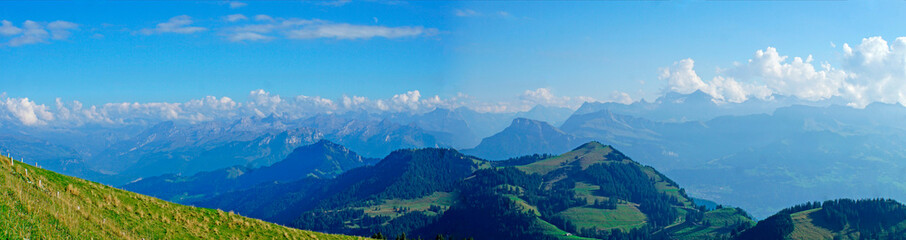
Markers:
point(40, 204)
point(403, 175)
point(323, 159)
point(835, 219)
point(593, 191)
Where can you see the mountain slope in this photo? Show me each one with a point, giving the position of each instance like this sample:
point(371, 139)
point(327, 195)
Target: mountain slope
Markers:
point(39, 204)
point(404, 174)
point(835, 219)
point(323, 159)
point(523, 137)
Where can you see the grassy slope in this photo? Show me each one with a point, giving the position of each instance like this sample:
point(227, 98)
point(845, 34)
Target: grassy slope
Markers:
point(393, 207)
point(807, 225)
point(720, 220)
point(625, 216)
point(47, 205)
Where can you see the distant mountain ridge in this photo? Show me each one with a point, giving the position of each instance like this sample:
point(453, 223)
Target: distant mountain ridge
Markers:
point(323, 159)
point(798, 152)
point(524, 137)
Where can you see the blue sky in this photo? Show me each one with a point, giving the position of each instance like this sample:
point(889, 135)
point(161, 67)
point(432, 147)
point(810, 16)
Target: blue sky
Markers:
point(490, 50)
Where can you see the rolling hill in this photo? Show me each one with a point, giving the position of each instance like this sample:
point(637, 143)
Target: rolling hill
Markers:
point(592, 191)
point(40, 204)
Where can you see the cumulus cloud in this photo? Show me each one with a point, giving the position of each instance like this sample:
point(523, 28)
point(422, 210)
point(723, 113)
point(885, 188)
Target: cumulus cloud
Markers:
point(544, 96)
point(877, 71)
point(179, 24)
point(681, 77)
point(798, 77)
point(767, 73)
point(26, 111)
point(873, 70)
point(33, 32)
point(620, 97)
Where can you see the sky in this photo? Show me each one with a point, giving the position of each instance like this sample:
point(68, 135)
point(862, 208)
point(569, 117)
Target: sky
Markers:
point(489, 55)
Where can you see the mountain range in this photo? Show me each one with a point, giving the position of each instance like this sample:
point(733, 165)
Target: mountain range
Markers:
point(796, 153)
point(719, 150)
point(590, 191)
point(323, 159)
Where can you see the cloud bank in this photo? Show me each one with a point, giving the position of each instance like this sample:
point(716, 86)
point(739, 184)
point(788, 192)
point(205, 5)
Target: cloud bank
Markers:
point(260, 103)
point(871, 71)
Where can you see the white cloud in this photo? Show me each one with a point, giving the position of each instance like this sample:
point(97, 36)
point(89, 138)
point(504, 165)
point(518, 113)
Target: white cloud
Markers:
point(316, 28)
point(8, 29)
point(334, 3)
point(236, 4)
point(544, 96)
point(33, 32)
point(620, 97)
point(26, 111)
point(178, 24)
point(262, 17)
point(262, 103)
point(350, 31)
point(465, 13)
point(871, 71)
point(798, 77)
point(247, 36)
point(877, 71)
point(59, 30)
point(681, 77)
point(235, 17)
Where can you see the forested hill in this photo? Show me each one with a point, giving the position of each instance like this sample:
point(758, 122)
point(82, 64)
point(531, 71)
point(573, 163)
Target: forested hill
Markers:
point(835, 219)
point(593, 191)
point(40, 204)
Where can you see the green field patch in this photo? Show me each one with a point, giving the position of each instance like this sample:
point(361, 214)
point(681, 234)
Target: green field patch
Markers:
point(587, 155)
point(525, 205)
point(715, 223)
point(806, 227)
point(625, 217)
point(396, 207)
point(586, 191)
point(551, 230)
